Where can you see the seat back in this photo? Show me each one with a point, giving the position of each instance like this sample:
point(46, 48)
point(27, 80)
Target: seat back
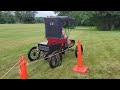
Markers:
point(54, 40)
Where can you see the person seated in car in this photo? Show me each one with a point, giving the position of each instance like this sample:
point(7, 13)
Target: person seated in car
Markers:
point(65, 36)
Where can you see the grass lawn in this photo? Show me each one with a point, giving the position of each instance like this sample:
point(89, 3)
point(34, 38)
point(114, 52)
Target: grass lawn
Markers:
point(101, 53)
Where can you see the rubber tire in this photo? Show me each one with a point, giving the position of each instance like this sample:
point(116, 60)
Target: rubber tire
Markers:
point(76, 50)
point(73, 42)
point(51, 60)
point(29, 57)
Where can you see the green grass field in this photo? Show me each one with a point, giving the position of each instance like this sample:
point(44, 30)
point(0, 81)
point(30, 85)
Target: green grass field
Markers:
point(101, 53)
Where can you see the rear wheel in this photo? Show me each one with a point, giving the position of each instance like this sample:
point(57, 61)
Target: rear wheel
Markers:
point(33, 54)
point(76, 50)
point(55, 59)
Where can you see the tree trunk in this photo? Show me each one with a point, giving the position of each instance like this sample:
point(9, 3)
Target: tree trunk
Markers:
point(112, 27)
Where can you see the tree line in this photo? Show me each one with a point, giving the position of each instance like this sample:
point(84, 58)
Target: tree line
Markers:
point(103, 20)
point(19, 17)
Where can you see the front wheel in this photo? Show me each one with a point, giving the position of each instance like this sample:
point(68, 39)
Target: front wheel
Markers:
point(33, 54)
point(72, 43)
point(55, 59)
point(76, 50)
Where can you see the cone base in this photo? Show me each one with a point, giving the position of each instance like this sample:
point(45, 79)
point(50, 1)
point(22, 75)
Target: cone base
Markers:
point(24, 77)
point(82, 69)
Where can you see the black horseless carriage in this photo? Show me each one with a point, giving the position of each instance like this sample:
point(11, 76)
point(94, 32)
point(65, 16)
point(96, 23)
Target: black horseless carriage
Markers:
point(55, 45)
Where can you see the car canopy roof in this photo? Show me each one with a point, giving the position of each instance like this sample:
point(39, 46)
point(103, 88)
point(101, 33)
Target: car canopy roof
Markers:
point(54, 25)
point(62, 18)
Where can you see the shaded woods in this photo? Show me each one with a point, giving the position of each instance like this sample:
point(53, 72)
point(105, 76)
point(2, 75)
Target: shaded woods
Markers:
point(103, 20)
point(7, 17)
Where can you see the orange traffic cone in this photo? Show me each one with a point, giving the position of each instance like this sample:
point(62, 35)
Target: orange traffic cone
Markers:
point(80, 67)
point(23, 68)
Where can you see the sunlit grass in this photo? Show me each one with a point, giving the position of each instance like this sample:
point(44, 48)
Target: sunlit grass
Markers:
point(101, 52)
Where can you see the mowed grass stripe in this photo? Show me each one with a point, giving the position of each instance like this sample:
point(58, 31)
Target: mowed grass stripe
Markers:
point(101, 52)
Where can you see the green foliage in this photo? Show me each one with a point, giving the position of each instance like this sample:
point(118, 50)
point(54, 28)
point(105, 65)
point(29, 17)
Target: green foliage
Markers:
point(17, 17)
point(7, 17)
point(25, 16)
point(82, 17)
point(106, 20)
point(39, 20)
point(103, 20)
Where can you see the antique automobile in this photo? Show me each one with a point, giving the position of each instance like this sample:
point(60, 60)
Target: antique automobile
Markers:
point(55, 45)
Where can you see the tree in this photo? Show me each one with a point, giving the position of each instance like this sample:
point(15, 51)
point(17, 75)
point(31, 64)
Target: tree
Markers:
point(7, 17)
point(25, 16)
point(17, 17)
point(103, 20)
point(39, 20)
point(2, 20)
point(29, 17)
point(80, 16)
